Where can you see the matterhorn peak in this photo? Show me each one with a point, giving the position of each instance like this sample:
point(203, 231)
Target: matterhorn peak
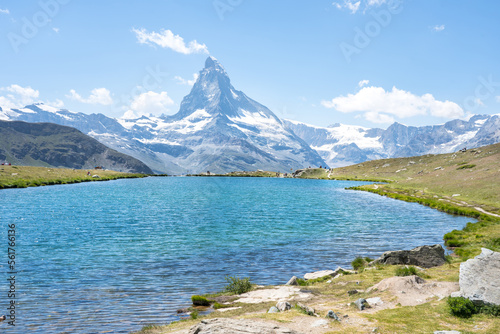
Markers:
point(213, 63)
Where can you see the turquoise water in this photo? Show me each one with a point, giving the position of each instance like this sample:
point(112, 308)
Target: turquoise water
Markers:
point(114, 256)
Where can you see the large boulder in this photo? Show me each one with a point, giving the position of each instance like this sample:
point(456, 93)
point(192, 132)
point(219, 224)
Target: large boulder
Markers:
point(237, 326)
point(480, 278)
point(423, 256)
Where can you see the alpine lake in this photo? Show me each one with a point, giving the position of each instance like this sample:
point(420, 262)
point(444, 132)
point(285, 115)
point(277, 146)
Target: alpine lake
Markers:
point(115, 256)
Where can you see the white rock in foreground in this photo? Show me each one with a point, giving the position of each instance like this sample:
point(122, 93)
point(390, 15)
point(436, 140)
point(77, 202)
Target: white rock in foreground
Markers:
point(280, 293)
point(480, 278)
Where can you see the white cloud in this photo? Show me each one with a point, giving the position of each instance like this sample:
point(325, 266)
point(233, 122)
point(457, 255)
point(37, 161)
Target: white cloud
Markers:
point(97, 96)
point(438, 28)
point(188, 82)
point(4, 11)
point(56, 30)
point(363, 83)
point(377, 104)
point(375, 117)
point(353, 5)
point(18, 96)
point(167, 39)
point(150, 103)
point(375, 2)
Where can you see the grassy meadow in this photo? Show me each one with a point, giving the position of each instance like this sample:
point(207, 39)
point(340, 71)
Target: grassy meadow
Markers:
point(25, 176)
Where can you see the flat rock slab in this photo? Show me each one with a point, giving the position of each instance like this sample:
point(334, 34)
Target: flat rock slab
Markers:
point(413, 290)
point(423, 256)
point(480, 278)
point(278, 294)
point(319, 274)
point(226, 309)
point(238, 326)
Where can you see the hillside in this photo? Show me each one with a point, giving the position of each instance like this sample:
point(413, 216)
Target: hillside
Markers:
point(52, 145)
point(471, 177)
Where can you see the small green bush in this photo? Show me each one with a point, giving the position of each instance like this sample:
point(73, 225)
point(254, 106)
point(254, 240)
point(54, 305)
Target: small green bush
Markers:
point(200, 301)
point(238, 285)
point(360, 262)
point(194, 314)
point(493, 310)
point(301, 282)
point(466, 166)
point(406, 271)
point(461, 307)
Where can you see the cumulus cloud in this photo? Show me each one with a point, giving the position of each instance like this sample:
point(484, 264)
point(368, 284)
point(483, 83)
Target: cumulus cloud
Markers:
point(149, 103)
point(377, 105)
point(438, 28)
point(56, 30)
point(97, 96)
point(167, 39)
point(188, 82)
point(363, 83)
point(4, 11)
point(17, 96)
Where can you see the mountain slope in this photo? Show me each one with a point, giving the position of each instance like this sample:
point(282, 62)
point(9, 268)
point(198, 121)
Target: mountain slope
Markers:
point(342, 145)
point(48, 144)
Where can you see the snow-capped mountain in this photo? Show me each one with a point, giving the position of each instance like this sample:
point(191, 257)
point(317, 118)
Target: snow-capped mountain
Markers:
point(217, 128)
point(220, 129)
point(341, 145)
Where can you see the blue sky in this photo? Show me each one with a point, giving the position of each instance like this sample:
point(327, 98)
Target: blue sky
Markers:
point(365, 62)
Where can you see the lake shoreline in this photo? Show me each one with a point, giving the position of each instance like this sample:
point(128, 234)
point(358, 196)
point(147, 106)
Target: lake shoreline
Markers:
point(15, 177)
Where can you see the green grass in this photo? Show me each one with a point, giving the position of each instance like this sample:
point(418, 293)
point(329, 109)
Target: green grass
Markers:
point(466, 167)
point(237, 285)
point(360, 262)
point(200, 301)
point(25, 176)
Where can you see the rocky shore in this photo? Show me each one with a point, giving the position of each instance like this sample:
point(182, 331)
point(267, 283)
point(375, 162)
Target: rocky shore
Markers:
point(372, 299)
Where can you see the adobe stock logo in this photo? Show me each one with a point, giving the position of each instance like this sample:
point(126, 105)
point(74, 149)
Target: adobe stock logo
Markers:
point(363, 37)
point(224, 6)
point(486, 89)
point(31, 27)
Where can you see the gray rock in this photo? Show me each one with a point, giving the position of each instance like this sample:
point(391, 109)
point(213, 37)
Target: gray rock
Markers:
point(292, 281)
point(446, 332)
point(283, 306)
point(375, 301)
point(332, 315)
point(423, 256)
point(352, 292)
point(238, 326)
point(320, 323)
point(306, 309)
point(323, 273)
point(361, 303)
point(273, 309)
point(319, 274)
point(480, 278)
